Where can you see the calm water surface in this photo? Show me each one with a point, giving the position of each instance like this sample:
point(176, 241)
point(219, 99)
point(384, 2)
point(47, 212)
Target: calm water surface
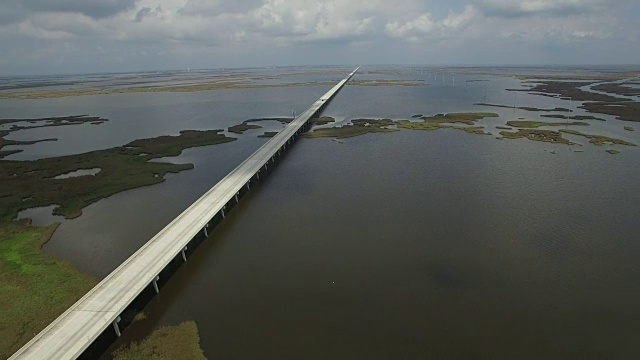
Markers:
point(405, 245)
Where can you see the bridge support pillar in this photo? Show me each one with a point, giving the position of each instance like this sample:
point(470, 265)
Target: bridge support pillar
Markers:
point(258, 175)
point(236, 198)
point(248, 185)
point(204, 229)
point(222, 212)
point(116, 328)
point(155, 284)
point(184, 255)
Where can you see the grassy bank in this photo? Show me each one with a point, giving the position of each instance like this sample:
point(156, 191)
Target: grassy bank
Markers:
point(34, 288)
point(28, 184)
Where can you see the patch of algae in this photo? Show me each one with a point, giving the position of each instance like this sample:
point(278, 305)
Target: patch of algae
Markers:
point(168, 342)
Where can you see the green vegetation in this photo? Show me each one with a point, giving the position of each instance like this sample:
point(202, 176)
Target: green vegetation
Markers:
point(536, 124)
point(503, 128)
point(537, 135)
point(618, 89)
point(478, 130)
point(459, 118)
point(169, 342)
point(568, 89)
point(28, 184)
point(629, 128)
point(526, 108)
point(241, 128)
point(358, 127)
point(436, 122)
point(575, 117)
point(323, 120)
point(613, 151)
point(625, 111)
point(598, 139)
point(622, 109)
point(34, 288)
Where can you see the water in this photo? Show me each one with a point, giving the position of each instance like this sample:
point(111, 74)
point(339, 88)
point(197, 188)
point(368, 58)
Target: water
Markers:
point(404, 245)
point(414, 245)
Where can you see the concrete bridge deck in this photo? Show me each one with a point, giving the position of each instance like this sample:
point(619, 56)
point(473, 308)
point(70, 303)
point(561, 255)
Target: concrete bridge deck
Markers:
point(77, 328)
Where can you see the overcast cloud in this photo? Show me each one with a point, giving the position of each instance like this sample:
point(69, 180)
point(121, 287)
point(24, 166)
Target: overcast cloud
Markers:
point(63, 36)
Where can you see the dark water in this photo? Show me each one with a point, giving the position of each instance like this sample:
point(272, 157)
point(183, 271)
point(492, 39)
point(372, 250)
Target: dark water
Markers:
point(417, 245)
point(406, 245)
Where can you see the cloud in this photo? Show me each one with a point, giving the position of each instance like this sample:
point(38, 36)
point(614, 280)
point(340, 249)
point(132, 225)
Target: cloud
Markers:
point(457, 21)
point(421, 25)
point(96, 9)
point(554, 8)
point(147, 12)
point(168, 33)
point(218, 7)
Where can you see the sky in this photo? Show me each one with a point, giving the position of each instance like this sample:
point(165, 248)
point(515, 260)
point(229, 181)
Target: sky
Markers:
point(88, 36)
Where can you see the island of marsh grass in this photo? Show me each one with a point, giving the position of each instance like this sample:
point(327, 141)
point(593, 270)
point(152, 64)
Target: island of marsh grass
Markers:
point(576, 117)
point(625, 111)
point(241, 128)
point(358, 127)
point(613, 151)
point(436, 122)
point(34, 288)
point(536, 124)
point(526, 108)
point(629, 128)
point(622, 109)
point(598, 139)
point(28, 184)
point(537, 135)
point(323, 120)
point(618, 89)
point(567, 89)
point(169, 342)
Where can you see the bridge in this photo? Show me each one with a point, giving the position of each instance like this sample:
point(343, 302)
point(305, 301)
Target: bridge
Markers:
point(104, 310)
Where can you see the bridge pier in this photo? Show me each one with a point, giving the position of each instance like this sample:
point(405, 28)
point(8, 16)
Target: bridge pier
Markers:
point(184, 255)
point(116, 327)
point(155, 284)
